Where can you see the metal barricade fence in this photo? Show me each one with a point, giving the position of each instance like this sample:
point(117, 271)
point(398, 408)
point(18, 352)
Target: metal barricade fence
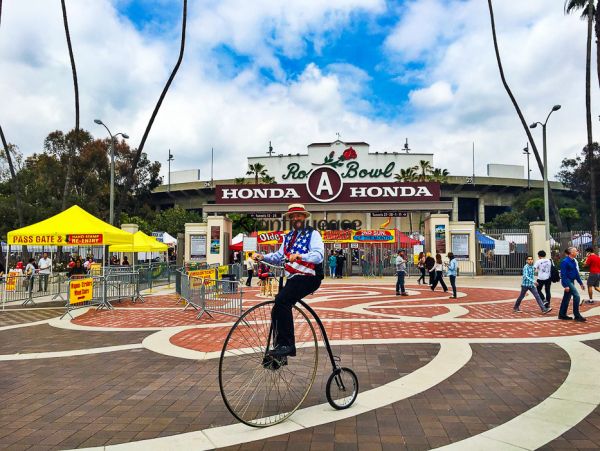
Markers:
point(25, 289)
point(122, 285)
point(85, 291)
point(208, 296)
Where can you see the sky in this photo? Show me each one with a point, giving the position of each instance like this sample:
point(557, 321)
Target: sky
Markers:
point(299, 71)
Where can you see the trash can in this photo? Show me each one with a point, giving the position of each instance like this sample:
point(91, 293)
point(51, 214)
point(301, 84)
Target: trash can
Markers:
point(228, 284)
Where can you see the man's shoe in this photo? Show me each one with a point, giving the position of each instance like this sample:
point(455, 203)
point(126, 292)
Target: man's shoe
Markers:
point(580, 319)
point(404, 294)
point(546, 304)
point(516, 310)
point(564, 317)
point(548, 310)
point(282, 350)
point(397, 293)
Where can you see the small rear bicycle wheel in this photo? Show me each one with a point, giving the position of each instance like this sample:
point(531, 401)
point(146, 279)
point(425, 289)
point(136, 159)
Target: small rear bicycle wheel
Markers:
point(260, 390)
point(342, 388)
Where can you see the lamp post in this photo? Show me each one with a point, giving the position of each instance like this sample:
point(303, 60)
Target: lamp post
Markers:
point(526, 152)
point(112, 167)
point(171, 158)
point(546, 183)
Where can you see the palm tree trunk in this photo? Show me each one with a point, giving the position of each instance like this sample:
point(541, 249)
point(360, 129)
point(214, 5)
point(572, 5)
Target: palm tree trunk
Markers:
point(590, 149)
point(521, 117)
point(13, 176)
point(74, 144)
point(136, 159)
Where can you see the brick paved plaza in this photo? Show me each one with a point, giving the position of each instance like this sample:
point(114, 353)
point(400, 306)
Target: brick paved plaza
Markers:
point(434, 372)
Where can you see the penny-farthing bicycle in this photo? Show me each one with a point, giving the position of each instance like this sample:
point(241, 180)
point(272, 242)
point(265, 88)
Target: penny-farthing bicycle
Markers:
point(261, 390)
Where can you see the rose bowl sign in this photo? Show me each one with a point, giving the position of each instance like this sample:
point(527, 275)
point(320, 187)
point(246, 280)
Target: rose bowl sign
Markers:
point(326, 185)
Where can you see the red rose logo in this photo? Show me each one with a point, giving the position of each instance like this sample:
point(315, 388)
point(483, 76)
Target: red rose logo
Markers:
point(349, 154)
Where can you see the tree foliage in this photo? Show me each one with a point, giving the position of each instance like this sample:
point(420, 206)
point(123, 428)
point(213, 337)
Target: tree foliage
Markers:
point(42, 175)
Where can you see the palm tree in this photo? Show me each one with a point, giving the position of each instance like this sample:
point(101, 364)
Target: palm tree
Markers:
point(240, 180)
point(268, 180)
point(424, 168)
point(439, 175)
point(13, 176)
point(258, 170)
point(129, 180)
point(588, 13)
point(521, 117)
point(74, 144)
point(406, 175)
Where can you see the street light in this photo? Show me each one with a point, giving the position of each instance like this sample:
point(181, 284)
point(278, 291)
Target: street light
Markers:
point(546, 183)
point(171, 158)
point(526, 152)
point(112, 167)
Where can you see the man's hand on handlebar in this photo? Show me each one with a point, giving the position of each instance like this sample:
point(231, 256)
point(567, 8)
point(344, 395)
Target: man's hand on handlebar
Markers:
point(293, 257)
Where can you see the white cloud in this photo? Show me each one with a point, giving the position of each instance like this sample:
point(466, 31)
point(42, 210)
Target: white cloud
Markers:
point(437, 95)
point(460, 98)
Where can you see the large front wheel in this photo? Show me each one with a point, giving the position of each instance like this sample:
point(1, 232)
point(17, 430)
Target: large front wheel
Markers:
point(258, 390)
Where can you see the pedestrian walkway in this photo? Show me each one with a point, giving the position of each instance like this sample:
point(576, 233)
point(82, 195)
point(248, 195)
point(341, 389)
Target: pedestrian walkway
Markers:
point(434, 372)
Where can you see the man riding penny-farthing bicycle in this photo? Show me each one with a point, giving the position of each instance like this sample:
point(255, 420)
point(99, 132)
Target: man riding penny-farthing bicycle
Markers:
point(302, 251)
point(259, 386)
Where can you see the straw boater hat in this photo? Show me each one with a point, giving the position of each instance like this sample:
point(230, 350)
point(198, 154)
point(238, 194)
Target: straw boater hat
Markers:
point(296, 208)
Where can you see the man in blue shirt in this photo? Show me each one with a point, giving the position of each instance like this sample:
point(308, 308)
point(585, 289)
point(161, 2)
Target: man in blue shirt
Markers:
point(569, 273)
point(529, 284)
point(302, 251)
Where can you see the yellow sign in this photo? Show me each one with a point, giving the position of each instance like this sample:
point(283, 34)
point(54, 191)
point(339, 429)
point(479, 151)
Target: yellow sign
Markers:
point(81, 290)
point(359, 236)
point(11, 280)
point(96, 269)
point(198, 274)
point(224, 269)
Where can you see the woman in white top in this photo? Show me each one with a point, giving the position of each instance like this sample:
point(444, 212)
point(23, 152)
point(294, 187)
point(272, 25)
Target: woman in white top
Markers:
point(438, 271)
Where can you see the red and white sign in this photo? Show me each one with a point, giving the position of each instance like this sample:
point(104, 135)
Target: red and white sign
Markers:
point(326, 187)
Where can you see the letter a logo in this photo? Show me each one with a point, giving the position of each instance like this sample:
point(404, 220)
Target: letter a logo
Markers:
point(324, 185)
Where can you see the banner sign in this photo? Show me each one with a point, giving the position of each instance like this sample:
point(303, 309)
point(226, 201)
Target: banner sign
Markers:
point(81, 290)
point(440, 238)
point(263, 215)
point(460, 245)
point(325, 185)
point(336, 236)
point(250, 243)
point(197, 275)
point(11, 280)
point(389, 214)
point(271, 237)
point(215, 240)
point(85, 238)
point(58, 240)
point(197, 247)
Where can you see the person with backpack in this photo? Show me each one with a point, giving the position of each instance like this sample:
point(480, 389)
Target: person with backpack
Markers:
point(429, 264)
point(543, 266)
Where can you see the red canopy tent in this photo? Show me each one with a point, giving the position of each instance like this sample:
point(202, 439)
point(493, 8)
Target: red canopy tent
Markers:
point(404, 240)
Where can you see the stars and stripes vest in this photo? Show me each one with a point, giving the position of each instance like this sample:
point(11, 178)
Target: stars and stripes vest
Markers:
point(298, 242)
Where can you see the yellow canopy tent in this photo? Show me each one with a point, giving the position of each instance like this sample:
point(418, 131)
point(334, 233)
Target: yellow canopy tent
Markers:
point(72, 227)
point(141, 243)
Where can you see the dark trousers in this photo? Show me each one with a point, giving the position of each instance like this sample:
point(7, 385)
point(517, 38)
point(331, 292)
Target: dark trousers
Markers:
point(453, 284)
point(564, 305)
point(533, 291)
point(544, 284)
point(439, 278)
point(282, 319)
point(431, 277)
point(422, 277)
point(400, 282)
point(339, 271)
point(43, 281)
point(249, 279)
